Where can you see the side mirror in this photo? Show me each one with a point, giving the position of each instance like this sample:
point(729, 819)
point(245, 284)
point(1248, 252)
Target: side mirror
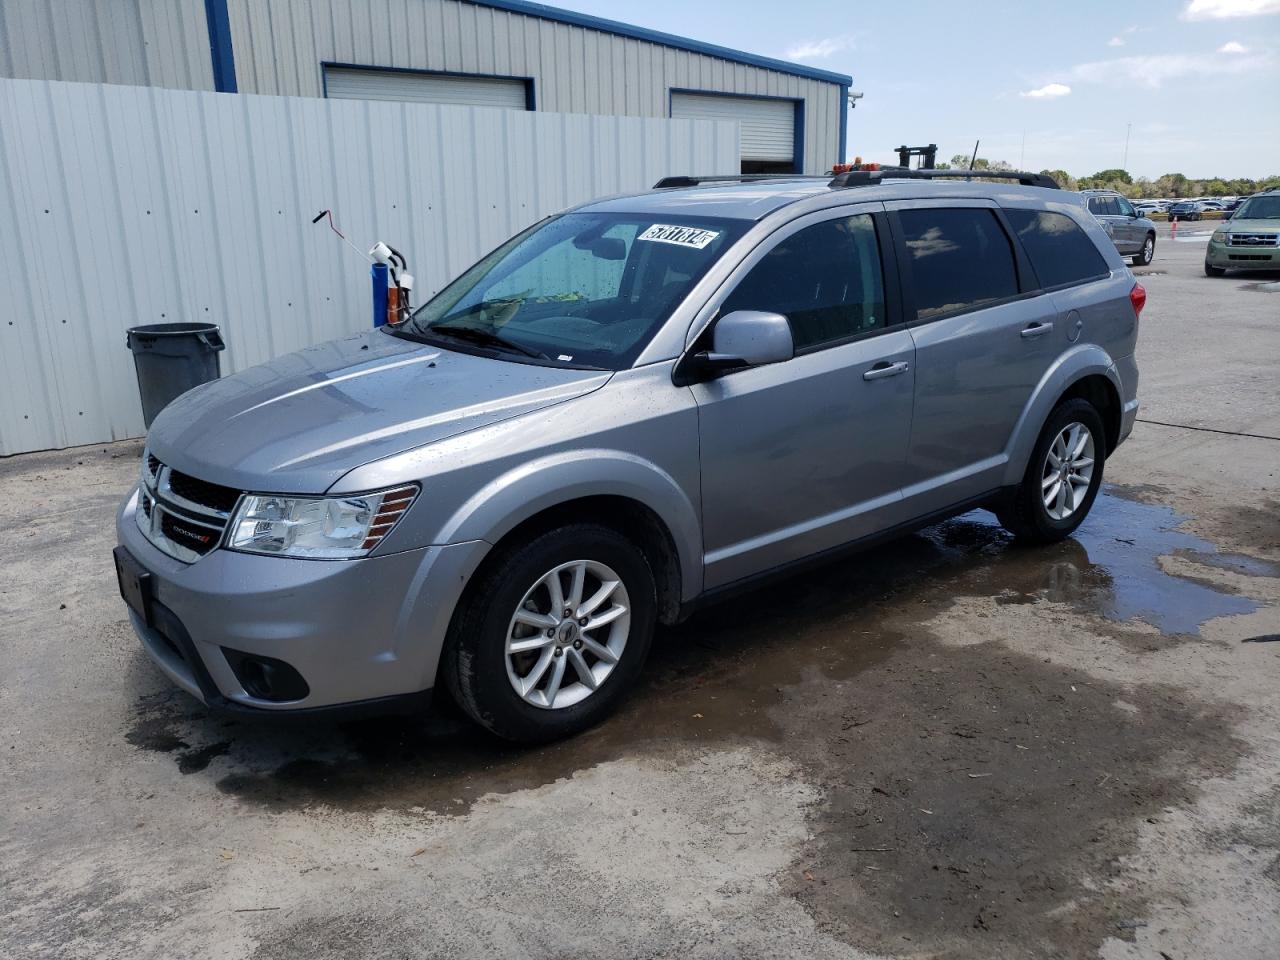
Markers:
point(744, 338)
point(751, 338)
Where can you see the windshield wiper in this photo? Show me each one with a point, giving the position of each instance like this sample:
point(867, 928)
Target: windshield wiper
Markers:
point(485, 338)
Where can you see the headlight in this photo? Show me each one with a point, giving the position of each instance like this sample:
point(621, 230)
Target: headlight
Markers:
point(1219, 236)
point(318, 528)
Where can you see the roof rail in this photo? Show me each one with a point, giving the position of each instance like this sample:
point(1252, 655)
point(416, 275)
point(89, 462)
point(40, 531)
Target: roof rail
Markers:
point(868, 178)
point(687, 181)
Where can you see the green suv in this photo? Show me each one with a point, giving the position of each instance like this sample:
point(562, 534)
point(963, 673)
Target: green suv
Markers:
point(1250, 240)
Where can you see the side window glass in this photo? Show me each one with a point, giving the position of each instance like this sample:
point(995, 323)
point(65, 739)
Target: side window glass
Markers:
point(960, 259)
point(1095, 206)
point(1060, 251)
point(1110, 207)
point(825, 279)
point(1126, 208)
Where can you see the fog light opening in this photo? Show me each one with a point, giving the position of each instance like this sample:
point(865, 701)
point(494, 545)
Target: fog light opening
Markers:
point(266, 678)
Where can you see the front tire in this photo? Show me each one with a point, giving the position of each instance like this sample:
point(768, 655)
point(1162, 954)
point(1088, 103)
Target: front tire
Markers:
point(1063, 476)
point(1212, 271)
point(553, 635)
point(1147, 253)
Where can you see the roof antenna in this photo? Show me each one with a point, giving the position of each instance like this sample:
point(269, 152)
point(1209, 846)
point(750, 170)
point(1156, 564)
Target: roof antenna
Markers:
point(975, 154)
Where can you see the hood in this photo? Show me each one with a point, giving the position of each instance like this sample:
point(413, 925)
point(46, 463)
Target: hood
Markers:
point(299, 422)
point(1250, 226)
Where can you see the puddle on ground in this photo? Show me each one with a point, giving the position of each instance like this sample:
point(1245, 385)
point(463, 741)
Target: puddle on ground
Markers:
point(1111, 567)
point(722, 674)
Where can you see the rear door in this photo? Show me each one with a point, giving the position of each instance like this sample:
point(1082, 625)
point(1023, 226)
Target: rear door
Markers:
point(1127, 221)
point(983, 341)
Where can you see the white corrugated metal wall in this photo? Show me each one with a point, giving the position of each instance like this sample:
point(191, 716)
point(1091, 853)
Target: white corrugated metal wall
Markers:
point(161, 43)
point(280, 45)
point(126, 205)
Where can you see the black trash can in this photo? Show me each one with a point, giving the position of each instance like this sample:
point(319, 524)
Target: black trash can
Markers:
point(170, 359)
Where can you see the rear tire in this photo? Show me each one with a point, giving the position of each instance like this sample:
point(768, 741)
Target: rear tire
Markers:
point(1212, 271)
point(1066, 469)
point(540, 692)
point(1147, 253)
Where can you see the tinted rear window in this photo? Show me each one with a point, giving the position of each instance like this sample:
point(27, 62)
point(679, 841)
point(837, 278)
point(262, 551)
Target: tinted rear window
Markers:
point(960, 259)
point(1060, 251)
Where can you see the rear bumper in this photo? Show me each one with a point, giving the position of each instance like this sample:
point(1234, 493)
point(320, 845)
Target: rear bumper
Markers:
point(1126, 372)
point(363, 634)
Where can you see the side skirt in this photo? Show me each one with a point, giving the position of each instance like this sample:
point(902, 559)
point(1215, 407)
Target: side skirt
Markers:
point(747, 584)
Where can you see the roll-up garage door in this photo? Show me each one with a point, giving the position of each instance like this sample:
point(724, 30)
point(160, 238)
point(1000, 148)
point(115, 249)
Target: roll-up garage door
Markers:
point(347, 83)
point(768, 126)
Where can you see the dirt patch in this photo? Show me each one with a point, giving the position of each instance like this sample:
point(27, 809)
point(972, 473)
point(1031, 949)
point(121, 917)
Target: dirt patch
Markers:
point(986, 804)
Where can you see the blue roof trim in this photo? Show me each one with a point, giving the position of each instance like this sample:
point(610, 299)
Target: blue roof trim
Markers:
point(544, 12)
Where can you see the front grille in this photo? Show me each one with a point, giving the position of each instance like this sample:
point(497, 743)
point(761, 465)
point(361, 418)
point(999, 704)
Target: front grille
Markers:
point(182, 515)
point(1248, 256)
point(222, 499)
point(1253, 239)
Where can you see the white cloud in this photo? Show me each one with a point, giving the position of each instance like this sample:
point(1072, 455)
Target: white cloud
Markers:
point(1224, 9)
point(1116, 42)
point(818, 49)
point(1152, 71)
point(1048, 90)
point(1232, 46)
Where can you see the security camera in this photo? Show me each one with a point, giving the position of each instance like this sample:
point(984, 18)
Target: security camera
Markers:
point(855, 96)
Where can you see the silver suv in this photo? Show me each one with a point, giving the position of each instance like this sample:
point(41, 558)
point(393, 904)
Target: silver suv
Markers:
point(625, 411)
point(1132, 233)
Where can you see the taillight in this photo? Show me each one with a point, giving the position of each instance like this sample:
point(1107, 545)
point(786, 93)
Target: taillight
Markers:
point(1138, 297)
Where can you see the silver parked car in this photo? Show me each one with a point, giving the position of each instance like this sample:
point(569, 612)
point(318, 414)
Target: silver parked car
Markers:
point(627, 410)
point(1132, 233)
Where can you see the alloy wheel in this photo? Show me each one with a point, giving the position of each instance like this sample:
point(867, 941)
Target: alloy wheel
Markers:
point(1067, 471)
point(567, 634)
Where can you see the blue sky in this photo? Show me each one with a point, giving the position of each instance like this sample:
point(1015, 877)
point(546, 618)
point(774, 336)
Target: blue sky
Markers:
point(1198, 79)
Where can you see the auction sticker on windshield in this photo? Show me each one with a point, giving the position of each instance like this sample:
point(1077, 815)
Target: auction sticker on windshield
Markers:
point(681, 236)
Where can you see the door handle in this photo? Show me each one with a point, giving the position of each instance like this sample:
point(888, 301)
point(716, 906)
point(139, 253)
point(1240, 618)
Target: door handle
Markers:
point(1036, 330)
point(886, 369)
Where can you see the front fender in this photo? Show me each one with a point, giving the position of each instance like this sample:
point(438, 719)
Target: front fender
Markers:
point(1082, 360)
point(498, 507)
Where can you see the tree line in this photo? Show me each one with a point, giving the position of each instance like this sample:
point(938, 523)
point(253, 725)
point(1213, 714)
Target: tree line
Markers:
point(1136, 188)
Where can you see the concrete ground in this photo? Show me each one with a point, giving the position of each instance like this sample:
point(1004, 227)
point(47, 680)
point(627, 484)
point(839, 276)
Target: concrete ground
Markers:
point(948, 747)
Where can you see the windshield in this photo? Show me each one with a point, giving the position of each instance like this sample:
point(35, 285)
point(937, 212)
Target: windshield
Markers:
point(1259, 208)
point(583, 289)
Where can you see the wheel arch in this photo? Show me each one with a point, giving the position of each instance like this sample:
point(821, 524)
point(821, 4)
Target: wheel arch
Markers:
point(613, 488)
point(1105, 398)
point(1087, 372)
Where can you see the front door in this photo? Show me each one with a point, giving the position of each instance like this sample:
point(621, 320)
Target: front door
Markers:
point(805, 455)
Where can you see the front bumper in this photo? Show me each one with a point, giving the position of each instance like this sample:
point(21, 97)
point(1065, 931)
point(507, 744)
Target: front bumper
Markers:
point(360, 632)
point(1242, 257)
